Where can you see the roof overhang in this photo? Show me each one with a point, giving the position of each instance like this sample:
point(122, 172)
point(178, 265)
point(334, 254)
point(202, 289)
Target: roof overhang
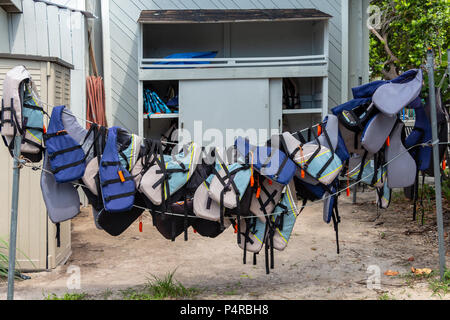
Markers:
point(229, 16)
point(11, 6)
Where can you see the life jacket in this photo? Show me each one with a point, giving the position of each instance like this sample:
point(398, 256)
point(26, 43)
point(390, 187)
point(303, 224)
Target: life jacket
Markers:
point(62, 199)
point(113, 223)
point(377, 131)
point(368, 90)
point(392, 97)
point(401, 166)
point(384, 196)
point(66, 155)
point(269, 162)
point(21, 114)
point(369, 169)
point(284, 218)
point(331, 212)
point(169, 174)
point(353, 119)
point(117, 184)
point(267, 197)
point(312, 159)
point(229, 186)
point(271, 231)
point(443, 120)
point(116, 223)
point(421, 133)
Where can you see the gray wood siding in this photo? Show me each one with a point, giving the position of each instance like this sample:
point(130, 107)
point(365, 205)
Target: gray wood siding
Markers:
point(124, 46)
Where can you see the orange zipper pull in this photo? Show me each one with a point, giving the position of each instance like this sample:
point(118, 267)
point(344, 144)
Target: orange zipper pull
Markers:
point(303, 174)
point(444, 163)
point(348, 184)
point(319, 130)
point(235, 228)
point(122, 178)
point(252, 178)
point(388, 141)
point(141, 226)
point(45, 129)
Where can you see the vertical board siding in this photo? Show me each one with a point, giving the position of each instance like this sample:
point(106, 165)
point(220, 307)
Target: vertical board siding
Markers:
point(124, 31)
point(49, 31)
point(53, 32)
point(42, 29)
point(65, 34)
point(17, 34)
point(30, 27)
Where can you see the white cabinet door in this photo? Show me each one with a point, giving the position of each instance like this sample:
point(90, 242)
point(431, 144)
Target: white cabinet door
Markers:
point(215, 112)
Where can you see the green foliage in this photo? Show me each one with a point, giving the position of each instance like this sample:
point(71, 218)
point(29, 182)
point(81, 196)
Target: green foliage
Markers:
point(160, 289)
point(441, 287)
point(4, 260)
point(67, 296)
point(386, 296)
point(411, 27)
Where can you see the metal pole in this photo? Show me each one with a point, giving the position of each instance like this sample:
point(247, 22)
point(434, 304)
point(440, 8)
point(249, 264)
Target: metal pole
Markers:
point(436, 163)
point(14, 207)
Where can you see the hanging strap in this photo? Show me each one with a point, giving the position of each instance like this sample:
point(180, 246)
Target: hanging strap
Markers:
point(336, 221)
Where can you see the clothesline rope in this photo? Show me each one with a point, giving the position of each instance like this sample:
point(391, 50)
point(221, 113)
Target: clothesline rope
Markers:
point(29, 164)
point(349, 186)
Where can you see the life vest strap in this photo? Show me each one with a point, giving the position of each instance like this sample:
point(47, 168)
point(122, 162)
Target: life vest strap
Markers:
point(114, 181)
point(60, 152)
point(70, 165)
point(110, 163)
point(120, 196)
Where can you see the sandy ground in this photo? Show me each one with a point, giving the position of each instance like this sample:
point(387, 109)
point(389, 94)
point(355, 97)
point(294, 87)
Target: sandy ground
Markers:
point(308, 269)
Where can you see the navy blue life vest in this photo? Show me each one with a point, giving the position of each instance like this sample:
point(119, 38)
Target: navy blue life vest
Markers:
point(117, 184)
point(66, 156)
point(421, 133)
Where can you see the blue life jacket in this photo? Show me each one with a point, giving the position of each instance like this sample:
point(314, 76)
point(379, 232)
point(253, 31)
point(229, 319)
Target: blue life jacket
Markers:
point(66, 156)
point(368, 90)
point(421, 134)
point(117, 184)
point(270, 162)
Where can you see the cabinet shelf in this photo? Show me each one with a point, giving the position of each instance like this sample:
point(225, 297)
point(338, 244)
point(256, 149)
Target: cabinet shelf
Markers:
point(301, 111)
point(162, 116)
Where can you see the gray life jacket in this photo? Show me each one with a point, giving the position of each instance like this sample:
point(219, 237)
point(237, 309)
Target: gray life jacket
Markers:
point(21, 114)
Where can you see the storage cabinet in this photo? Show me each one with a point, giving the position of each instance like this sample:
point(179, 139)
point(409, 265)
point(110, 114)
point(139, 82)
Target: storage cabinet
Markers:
point(244, 85)
point(36, 237)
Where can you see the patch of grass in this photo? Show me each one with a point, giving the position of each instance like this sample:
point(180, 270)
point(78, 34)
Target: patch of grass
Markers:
point(411, 278)
point(160, 289)
point(107, 294)
point(67, 296)
point(4, 260)
point(440, 287)
point(386, 296)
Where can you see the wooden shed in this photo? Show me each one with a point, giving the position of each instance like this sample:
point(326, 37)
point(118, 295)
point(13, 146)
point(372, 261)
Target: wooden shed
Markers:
point(322, 45)
point(49, 40)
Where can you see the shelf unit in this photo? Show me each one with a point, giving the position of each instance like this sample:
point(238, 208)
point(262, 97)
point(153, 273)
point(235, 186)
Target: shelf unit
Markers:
point(255, 48)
